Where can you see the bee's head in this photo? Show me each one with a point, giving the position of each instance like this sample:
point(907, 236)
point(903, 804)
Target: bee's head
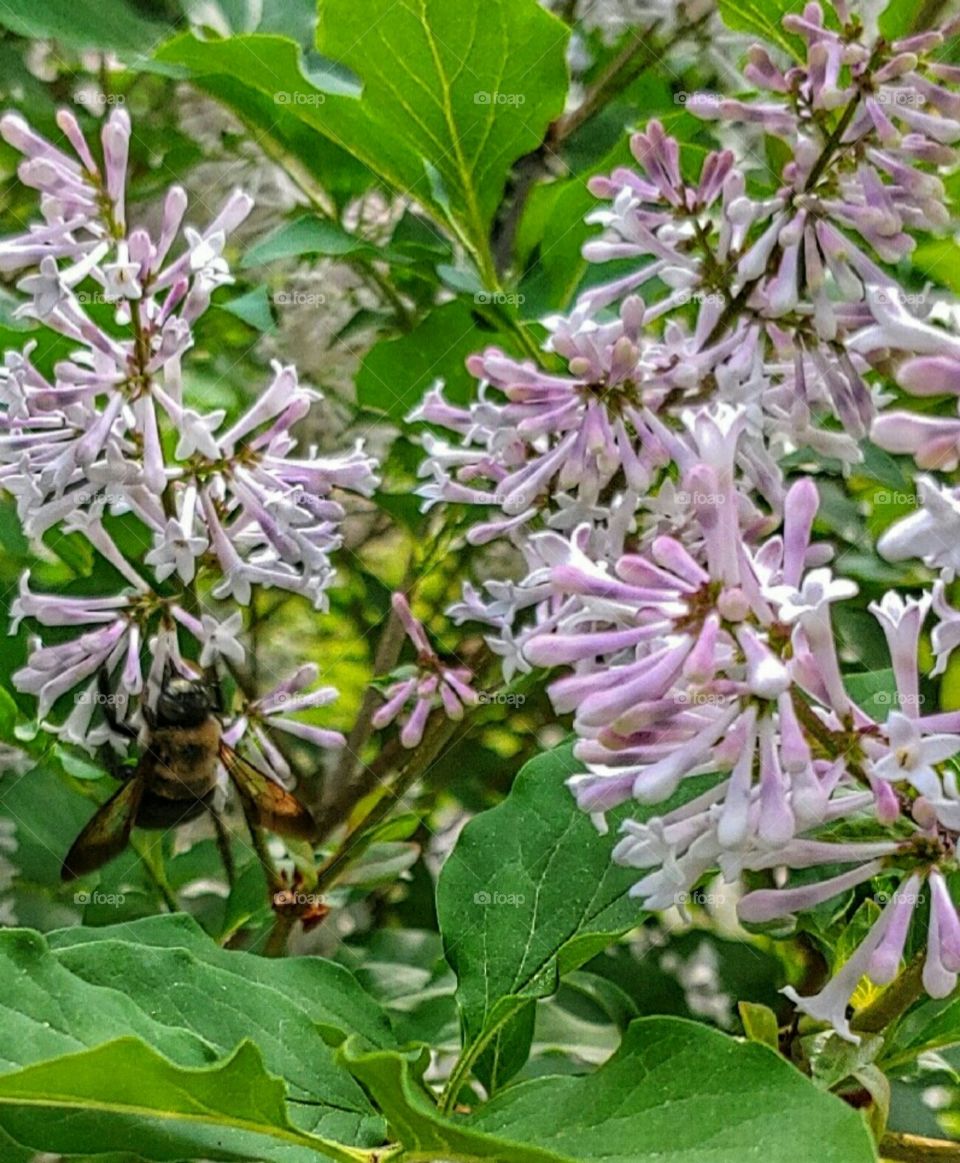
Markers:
point(183, 702)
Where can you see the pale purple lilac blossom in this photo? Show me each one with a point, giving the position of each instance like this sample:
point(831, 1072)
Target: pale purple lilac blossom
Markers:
point(427, 684)
point(225, 507)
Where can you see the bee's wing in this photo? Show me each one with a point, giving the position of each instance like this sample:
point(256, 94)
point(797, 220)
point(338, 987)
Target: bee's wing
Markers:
point(277, 810)
point(107, 833)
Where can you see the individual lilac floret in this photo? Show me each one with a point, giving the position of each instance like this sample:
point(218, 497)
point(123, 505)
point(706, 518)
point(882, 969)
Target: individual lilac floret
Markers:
point(429, 683)
point(932, 533)
point(270, 712)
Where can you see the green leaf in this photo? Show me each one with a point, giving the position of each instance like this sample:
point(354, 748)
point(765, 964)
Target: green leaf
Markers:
point(447, 96)
point(763, 18)
point(164, 981)
point(396, 373)
point(931, 1025)
point(528, 893)
point(760, 1024)
point(253, 308)
point(125, 1096)
point(897, 19)
point(212, 996)
point(675, 1092)
point(310, 235)
point(84, 24)
point(875, 691)
point(327, 992)
point(939, 259)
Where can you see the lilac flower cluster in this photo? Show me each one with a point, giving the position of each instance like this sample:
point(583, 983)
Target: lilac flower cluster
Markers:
point(224, 507)
point(670, 563)
point(427, 684)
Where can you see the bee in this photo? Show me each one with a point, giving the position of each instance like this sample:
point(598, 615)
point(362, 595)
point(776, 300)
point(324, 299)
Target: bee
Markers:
point(176, 777)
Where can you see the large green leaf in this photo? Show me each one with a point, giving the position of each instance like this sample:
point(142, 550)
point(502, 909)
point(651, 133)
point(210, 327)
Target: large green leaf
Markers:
point(163, 981)
point(675, 1092)
point(448, 95)
point(294, 1008)
point(123, 1096)
point(48, 1011)
point(330, 995)
point(528, 893)
point(396, 373)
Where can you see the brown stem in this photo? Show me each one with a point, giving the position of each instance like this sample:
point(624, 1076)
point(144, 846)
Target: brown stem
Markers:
point(276, 943)
point(440, 730)
point(635, 56)
point(918, 1148)
point(438, 734)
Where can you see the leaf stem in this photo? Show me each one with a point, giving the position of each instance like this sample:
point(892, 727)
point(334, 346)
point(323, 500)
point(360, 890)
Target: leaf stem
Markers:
point(150, 854)
point(907, 1148)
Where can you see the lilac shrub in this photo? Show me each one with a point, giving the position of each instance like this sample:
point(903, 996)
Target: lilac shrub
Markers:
point(672, 570)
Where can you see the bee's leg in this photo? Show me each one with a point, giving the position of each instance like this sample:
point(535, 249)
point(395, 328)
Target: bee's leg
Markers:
point(223, 846)
point(212, 679)
point(107, 699)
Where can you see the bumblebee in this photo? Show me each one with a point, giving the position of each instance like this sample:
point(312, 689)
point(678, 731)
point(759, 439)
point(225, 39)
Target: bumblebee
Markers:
point(176, 777)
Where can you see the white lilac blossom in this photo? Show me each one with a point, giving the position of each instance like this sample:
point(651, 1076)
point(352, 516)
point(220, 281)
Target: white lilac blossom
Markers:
point(227, 505)
point(931, 533)
point(238, 498)
point(428, 683)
